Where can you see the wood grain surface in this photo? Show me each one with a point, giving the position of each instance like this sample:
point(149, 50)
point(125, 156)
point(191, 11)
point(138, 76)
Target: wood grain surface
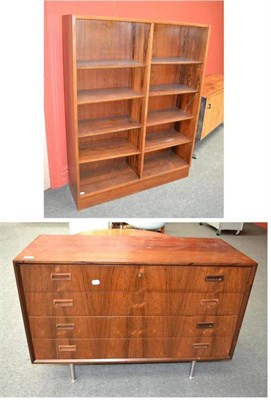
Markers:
point(123, 303)
point(103, 95)
point(106, 150)
point(126, 187)
point(162, 250)
point(115, 77)
point(74, 278)
point(212, 84)
point(78, 306)
point(106, 125)
point(93, 64)
point(111, 175)
point(164, 139)
point(175, 348)
point(140, 326)
point(157, 117)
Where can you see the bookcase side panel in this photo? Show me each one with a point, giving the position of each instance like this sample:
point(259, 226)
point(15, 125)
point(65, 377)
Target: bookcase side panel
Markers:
point(203, 50)
point(193, 75)
point(69, 60)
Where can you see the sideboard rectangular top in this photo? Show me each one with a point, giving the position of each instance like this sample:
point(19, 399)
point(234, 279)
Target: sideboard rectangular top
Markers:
point(147, 250)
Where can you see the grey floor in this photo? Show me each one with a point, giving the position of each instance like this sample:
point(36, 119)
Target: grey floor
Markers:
point(200, 195)
point(244, 376)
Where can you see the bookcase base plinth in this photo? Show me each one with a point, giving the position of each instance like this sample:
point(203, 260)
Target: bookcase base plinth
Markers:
point(85, 201)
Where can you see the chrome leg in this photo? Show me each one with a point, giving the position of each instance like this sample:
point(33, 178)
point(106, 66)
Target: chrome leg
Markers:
point(218, 232)
point(237, 233)
point(192, 370)
point(73, 376)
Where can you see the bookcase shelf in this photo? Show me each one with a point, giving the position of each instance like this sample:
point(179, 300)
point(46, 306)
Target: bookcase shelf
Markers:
point(100, 126)
point(132, 95)
point(173, 60)
point(164, 139)
point(101, 95)
point(106, 150)
point(161, 116)
point(115, 174)
point(161, 162)
point(93, 64)
point(173, 88)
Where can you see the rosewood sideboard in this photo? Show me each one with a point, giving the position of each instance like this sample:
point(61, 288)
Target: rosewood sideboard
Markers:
point(132, 299)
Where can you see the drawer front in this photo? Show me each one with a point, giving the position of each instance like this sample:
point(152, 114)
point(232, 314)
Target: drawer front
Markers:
point(74, 278)
point(136, 303)
point(195, 279)
point(67, 278)
point(161, 348)
point(129, 327)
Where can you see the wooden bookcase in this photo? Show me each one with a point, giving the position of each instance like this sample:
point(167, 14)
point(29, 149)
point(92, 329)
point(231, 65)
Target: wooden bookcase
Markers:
point(132, 96)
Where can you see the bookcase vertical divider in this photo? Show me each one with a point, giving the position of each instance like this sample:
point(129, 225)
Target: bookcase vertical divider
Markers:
point(147, 75)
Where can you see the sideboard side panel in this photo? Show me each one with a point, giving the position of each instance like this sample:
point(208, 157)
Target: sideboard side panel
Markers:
point(24, 309)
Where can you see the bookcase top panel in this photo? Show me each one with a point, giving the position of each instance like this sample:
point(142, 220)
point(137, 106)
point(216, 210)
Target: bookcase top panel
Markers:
point(122, 19)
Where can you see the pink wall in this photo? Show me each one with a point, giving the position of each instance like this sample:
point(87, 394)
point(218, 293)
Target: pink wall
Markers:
point(207, 12)
point(261, 224)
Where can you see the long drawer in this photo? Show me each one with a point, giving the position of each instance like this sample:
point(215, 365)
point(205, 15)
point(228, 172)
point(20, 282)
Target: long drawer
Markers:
point(131, 327)
point(74, 278)
point(133, 303)
point(173, 348)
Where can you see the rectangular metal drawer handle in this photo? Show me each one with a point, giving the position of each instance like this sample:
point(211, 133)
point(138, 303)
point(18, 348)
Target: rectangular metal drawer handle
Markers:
point(201, 345)
point(63, 302)
point(209, 302)
point(214, 278)
point(205, 325)
point(61, 276)
point(65, 327)
point(71, 347)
